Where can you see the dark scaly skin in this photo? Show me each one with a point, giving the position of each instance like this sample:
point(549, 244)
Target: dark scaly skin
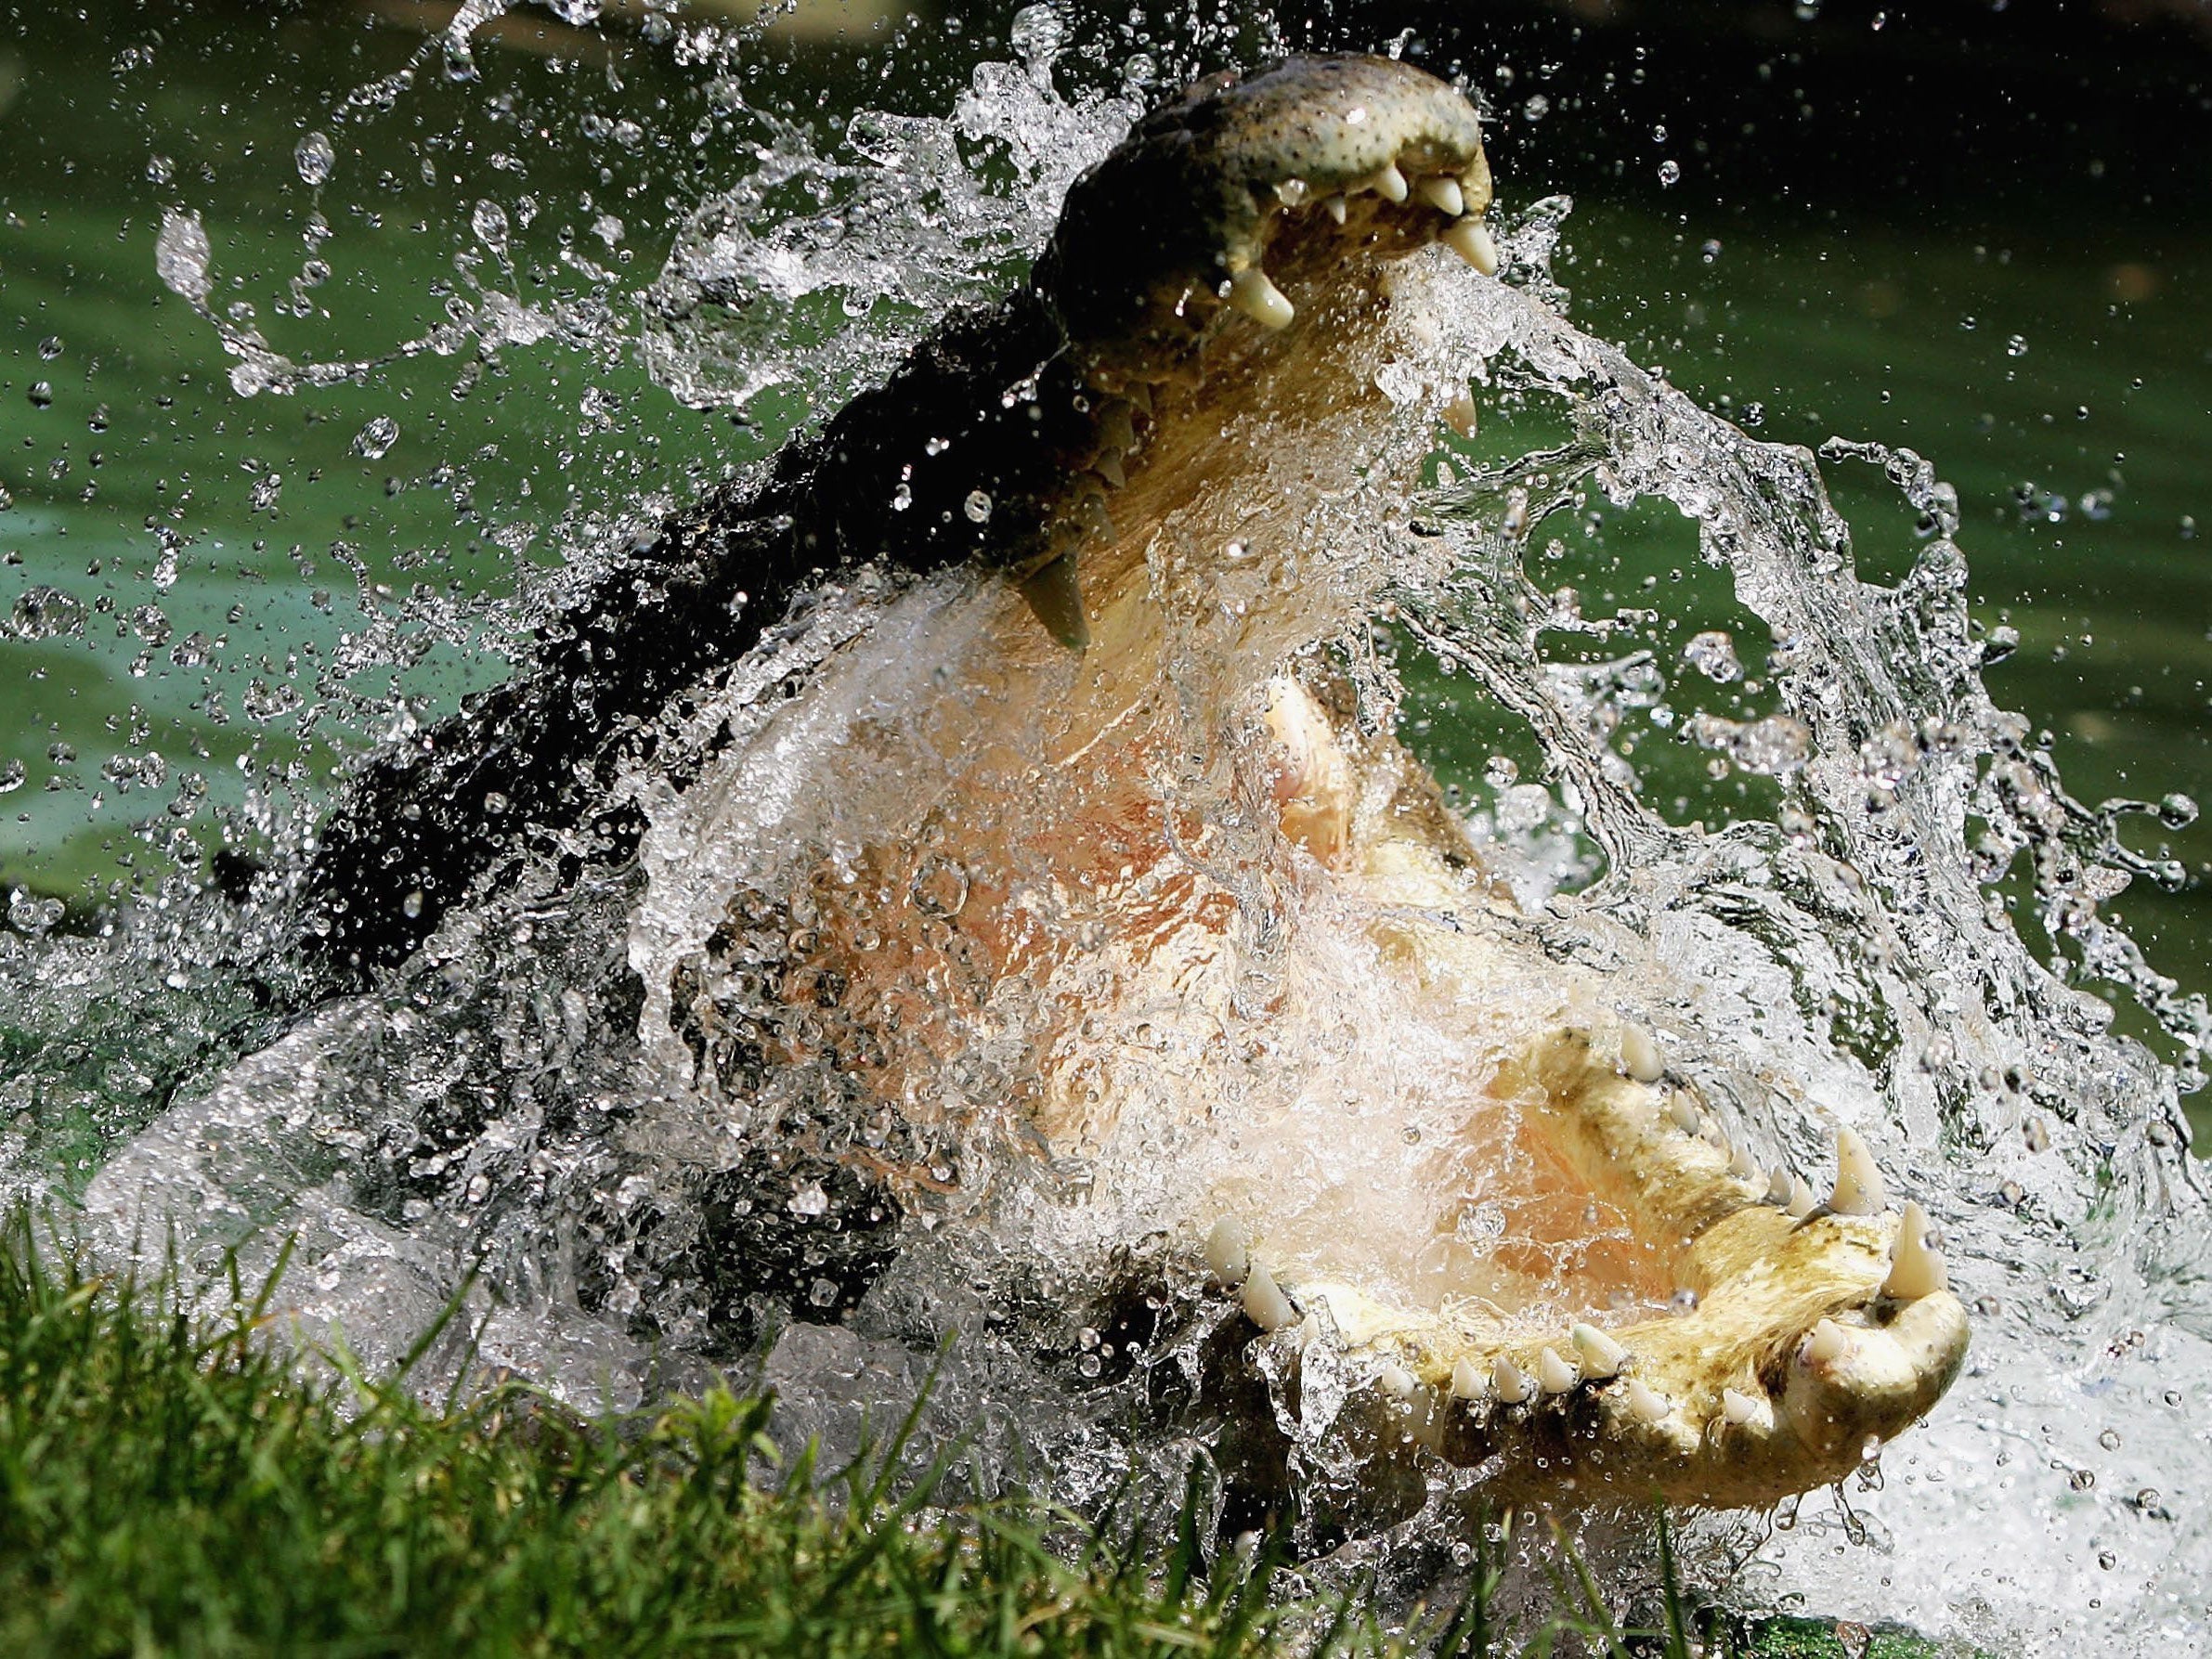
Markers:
point(1125, 294)
point(696, 598)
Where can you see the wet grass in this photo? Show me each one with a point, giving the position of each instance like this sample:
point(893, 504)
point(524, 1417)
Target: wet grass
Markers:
point(174, 1485)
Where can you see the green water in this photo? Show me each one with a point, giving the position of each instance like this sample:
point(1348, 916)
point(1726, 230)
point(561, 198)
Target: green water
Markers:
point(2028, 360)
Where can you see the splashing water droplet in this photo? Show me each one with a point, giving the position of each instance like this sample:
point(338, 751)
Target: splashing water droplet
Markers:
point(374, 440)
point(46, 612)
point(490, 222)
point(315, 158)
point(180, 255)
point(33, 915)
point(1669, 173)
point(1712, 654)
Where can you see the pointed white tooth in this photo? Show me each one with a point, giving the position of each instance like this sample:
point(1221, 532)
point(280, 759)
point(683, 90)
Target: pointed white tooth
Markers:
point(1467, 1380)
point(1335, 207)
point(1915, 1268)
point(1646, 1404)
point(1738, 1408)
point(1640, 1055)
point(1859, 1182)
point(1251, 292)
point(1684, 1110)
point(1826, 1343)
point(1265, 1303)
point(1395, 1379)
point(1390, 181)
point(1442, 192)
point(1509, 1382)
point(1229, 1250)
point(1601, 1356)
point(1741, 1166)
point(1470, 239)
point(1777, 1188)
point(1459, 414)
point(1802, 1201)
point(1553, 1373)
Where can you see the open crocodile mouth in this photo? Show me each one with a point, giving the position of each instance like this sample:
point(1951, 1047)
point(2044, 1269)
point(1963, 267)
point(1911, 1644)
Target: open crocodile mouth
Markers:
point(1145, 881)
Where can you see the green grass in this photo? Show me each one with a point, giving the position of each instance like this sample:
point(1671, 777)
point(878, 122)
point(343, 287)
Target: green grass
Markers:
point(174, 1485)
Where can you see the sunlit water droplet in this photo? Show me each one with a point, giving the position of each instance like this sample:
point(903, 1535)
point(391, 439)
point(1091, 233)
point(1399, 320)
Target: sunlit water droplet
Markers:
point(488, 220)
point(315, 158)
point(180, 255)
point(46, 612)
point(374, 440)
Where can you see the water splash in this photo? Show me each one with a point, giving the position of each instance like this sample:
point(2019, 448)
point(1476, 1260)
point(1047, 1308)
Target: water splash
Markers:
point(1845, 947)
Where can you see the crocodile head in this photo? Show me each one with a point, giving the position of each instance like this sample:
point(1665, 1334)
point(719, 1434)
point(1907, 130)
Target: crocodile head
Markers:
point(1137, 886)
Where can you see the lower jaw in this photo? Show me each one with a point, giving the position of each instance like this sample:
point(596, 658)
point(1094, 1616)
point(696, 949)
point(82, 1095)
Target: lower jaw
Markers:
point(1792, 1349)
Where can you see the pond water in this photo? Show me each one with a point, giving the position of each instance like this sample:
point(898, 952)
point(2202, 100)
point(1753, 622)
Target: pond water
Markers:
point(335, 347)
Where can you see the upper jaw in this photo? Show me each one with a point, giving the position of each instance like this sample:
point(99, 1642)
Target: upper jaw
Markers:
point(1176, 258)
point(1183, 218)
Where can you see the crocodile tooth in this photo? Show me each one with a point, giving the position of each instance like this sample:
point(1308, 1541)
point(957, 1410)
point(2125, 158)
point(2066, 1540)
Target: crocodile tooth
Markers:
point(1777, 1188)
point(1107, 464)
point(1470, 239)
point(1264, 1302)
point(1056, 597)
point(1741, 1166)
point(1684, 1110)
point(1442, 192)
point(1916, 1267)
point(1467, 1380)
point(1802, 1201)
point(1827, 1343)
point(1640, 1055)
point(1646, 1404)
point(1738, 1408)
point(1556, 1375)
point(1459, 414)
point(1395, 1379)
point(1117, 426)
point(1509, 1382)
point(1390, 181)
point(1228, 1251)
point(1251, 292)
point(1601, 1356)
point(1335, 207)
point(1858, 1183)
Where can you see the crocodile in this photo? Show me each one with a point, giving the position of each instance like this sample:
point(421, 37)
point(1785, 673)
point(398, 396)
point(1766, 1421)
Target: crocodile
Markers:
point(1101, 834)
